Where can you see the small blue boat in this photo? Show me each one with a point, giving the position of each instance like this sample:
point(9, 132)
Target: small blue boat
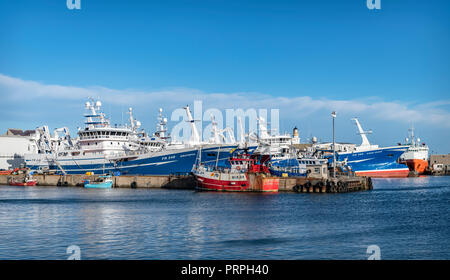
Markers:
point(103, 182)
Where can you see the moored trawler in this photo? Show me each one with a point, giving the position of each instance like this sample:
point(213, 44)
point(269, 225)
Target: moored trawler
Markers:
point(416, 157)
point(370, 160)
point(245, 174)
point(101, 148)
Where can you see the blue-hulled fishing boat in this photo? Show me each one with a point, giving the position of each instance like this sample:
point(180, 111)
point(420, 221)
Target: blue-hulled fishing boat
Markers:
point(103, 182)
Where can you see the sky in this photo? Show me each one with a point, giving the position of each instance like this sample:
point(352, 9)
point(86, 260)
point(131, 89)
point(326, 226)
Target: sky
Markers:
point(388, 67)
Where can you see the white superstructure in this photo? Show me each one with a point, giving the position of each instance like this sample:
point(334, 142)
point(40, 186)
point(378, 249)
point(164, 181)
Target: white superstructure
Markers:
point(273, 144)
point(416, 150)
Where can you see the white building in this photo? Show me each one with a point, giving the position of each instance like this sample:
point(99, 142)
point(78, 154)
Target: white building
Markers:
point(13, 145)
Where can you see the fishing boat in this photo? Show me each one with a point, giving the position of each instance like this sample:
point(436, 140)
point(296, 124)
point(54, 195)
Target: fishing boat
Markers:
point(125, 149)
point(416, 157)
point(369, 160)
point(245, 174)
point(287, 167)
point(27, 181)
point(102, 182)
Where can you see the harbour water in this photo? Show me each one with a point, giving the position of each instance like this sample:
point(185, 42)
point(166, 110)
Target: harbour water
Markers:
point(407, 218)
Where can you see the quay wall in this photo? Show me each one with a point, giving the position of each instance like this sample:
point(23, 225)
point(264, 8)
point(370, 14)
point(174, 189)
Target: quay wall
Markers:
point(169, 182)
point(177, 182)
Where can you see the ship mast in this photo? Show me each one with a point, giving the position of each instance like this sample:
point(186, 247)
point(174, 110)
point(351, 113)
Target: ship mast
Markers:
point(195, 138)
point(365, 141)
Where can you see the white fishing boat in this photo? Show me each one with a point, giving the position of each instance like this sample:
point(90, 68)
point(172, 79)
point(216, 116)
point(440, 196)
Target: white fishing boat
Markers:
point(120, 149)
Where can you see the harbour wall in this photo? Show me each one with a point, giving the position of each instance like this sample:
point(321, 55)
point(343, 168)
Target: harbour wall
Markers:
point(186, 182)
point(169, 182)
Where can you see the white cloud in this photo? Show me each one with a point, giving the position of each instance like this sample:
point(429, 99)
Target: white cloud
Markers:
point(432, 113)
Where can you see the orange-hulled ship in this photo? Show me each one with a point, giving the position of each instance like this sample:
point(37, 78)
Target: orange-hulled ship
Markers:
point(416, 157)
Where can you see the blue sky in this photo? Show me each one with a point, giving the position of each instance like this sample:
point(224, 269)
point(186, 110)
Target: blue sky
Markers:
point(306, 58)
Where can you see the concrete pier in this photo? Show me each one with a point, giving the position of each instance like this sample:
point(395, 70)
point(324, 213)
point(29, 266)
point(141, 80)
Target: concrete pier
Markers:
point(300, 185)
point(169, 182)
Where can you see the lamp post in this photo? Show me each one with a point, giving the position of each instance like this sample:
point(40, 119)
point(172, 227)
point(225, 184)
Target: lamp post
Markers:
point(333, 115)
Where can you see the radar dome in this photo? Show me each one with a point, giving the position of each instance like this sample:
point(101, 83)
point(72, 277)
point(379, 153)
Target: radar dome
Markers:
point(98, 104)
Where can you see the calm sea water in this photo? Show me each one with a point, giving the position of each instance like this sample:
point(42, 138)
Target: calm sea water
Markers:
point(407, 218)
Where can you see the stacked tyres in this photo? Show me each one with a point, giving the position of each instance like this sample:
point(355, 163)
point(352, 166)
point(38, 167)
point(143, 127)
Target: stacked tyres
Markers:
point(369, 183)
point(332, 187)
point(342, 187)
point(318, 187)
point(296, 188)
point(304, 188)
point(322, 187)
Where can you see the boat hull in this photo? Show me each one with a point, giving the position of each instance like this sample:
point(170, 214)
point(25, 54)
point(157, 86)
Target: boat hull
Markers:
point(279, 173)
point(417, 165)
point(167, 162)
point(209, 184)
point(249, 183)
point(394, 173)
point(382, 162)
point(24, 184)
point(105, 185)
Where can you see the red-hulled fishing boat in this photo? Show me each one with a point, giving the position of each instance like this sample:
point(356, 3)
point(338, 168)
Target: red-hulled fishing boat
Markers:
point(245, 174)
point(25, 182)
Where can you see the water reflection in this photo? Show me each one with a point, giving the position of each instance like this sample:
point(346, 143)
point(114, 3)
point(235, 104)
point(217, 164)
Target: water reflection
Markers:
point(405, 217)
